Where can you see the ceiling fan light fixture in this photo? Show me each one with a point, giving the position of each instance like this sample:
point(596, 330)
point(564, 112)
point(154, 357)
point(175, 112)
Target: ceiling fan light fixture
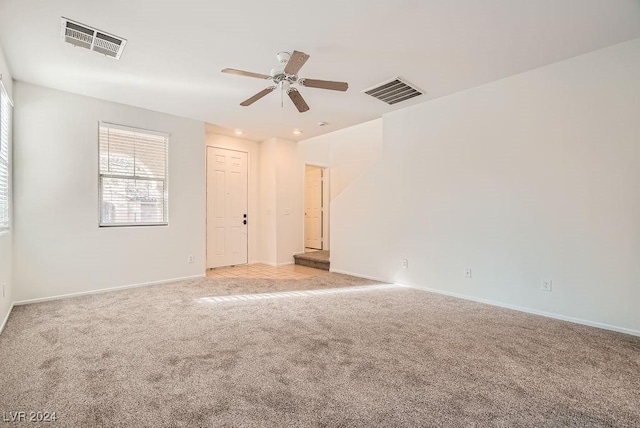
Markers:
point(277, 71)
point(283, 57)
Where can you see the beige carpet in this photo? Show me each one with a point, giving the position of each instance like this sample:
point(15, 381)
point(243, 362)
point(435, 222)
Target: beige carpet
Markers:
point(173, 356)
point(318, 256)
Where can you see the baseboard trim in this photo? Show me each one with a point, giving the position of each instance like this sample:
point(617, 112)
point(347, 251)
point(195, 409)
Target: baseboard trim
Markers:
point(273, 264)
point(528, 310)
point(103, 290)
point(359, 275)
point(4, 321)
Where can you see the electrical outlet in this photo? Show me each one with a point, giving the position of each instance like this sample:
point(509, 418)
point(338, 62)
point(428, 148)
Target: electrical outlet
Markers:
point(545, 285)
point(190, 259)
point(467, 272)
point(405, 263)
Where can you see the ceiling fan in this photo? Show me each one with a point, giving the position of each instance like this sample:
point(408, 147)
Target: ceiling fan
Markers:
point(285, 77)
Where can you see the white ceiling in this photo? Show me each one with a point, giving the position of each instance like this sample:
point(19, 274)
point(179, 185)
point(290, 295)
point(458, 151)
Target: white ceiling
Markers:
point(176, 50)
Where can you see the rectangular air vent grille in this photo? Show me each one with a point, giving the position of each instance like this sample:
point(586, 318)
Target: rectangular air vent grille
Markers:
point(90, 38)
point(394, 91)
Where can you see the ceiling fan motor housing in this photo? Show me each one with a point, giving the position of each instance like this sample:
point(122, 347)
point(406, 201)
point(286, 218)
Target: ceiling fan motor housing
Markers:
point(278, 75)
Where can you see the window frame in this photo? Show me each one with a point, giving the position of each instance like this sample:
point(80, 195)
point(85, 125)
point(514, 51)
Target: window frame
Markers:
point(9, 165)
point(165, 181)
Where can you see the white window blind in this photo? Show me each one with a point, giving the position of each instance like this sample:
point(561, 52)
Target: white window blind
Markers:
point(5, 123)
point(133, 176)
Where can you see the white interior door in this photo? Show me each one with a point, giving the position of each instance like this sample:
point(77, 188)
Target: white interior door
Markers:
point(226, 207)
point(313, 208)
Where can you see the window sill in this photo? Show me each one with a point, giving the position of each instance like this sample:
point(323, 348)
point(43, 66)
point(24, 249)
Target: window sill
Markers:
point(109, 226)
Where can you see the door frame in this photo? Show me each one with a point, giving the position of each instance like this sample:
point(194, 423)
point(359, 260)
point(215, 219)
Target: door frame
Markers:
point(206, 195)
point(326, 201)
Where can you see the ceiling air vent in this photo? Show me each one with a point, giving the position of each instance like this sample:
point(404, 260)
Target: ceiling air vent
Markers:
point(90, 38)
point(393, 91)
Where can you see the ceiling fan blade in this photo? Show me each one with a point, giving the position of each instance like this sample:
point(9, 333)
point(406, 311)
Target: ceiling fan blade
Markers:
point(297, 99)
point(245, 73)
point(257, 96)
point(324, 84)
point(296, 62)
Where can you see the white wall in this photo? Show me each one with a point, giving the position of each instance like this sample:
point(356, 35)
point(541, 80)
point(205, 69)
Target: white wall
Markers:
point(267, 233)
point(6, 238)
point(534, 176)
point(58, 246)
point(252, 148)
point(348, 153)
point(289, 201)
point(280, 202)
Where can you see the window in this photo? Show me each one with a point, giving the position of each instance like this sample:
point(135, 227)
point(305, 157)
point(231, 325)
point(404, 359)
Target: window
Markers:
point(5, 132)
point(133, 176)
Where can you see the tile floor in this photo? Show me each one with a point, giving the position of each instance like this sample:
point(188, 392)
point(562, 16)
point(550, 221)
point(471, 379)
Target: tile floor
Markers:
point(265, 271)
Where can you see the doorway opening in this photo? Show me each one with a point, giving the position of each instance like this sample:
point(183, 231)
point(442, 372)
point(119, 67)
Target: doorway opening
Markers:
point(316, 219)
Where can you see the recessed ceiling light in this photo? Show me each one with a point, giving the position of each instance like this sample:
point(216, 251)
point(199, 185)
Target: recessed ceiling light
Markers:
point(238, 132)
point(297, 132)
